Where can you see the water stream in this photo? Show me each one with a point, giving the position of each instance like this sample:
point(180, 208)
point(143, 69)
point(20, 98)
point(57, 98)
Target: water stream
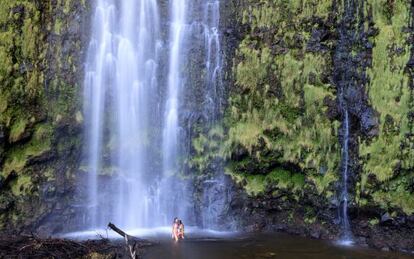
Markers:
point(346, 232)
point(136, 78)
point(345, 79)
point(120, 86)
point(175, 84)
point(213, 60)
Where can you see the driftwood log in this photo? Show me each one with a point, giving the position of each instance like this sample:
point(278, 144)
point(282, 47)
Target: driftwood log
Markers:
point(131, 243)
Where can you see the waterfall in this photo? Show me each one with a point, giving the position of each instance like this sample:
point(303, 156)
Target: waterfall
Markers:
point(346, 76)
point(98, 70)
point(136, 78)
point(175, 83)
point(213, 61)
point(120, 83)
point(214, 189)
point(347, 235)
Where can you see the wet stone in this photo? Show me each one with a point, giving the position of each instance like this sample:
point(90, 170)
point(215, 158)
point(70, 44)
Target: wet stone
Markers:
point(386, 218)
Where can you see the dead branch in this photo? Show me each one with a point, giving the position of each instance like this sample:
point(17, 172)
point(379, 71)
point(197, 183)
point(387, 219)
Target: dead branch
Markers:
point(131, 248)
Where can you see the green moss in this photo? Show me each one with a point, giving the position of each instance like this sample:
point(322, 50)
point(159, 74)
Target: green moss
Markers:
point(253, 69)
point(15, 162)
point(18, 156)
point(286, 180)
point(67, 7)
point(280, 178)
point(373, 222)
point(28, 105)
point(309, 219)
point(58, 26)
point(388, 92)
point(3, 103)
point(268, 14)
point(255, 184)
point(21, 185)
point(399, 197)
point(17, 130)
point(323, 182)
point(49, 174)
point(207, 147)
point(388, 159)
point(276, 110)
point(306, 139)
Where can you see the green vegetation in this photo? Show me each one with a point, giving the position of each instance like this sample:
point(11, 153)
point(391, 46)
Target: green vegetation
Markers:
point(373, 222)
point(279, 178)
point(37, 87)
point(17, 129)
point(21, 185)
point(276, 114)
point(389, 157)
point(19, 50)
point(388, 92)
point(19, 155)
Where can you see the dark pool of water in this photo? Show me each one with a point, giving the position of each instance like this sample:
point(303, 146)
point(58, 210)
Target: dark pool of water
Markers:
point(254, 246)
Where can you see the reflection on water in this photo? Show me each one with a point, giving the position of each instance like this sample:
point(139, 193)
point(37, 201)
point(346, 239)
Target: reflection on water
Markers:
point(253, 246)
point(208, 244)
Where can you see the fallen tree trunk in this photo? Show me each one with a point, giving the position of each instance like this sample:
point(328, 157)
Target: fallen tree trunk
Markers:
point(120, 232)
point(131, 248)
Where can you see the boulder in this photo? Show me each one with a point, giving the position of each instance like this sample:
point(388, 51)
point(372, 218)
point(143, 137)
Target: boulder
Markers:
point(386, 219)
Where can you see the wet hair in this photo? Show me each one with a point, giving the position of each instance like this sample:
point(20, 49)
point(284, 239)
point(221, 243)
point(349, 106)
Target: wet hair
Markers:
point(180, 222)
point(175, 219)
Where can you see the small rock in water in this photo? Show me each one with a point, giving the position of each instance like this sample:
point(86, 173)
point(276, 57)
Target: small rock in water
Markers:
point(315, 234)
point(385, 249)
point(386, 218)
point(267, 255)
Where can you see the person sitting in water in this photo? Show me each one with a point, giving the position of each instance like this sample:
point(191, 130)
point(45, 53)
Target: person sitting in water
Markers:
point(175, 230)
point(180, 229)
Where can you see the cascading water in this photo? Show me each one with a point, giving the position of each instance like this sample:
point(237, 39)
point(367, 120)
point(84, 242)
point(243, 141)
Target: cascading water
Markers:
point(131, 109)
point(185, 29)
point(136, 67)
point(346, 232)
point(214, 189)
point(120, 83)
point(171, 191)
point(98, 71)
point(213, 61)
point(175, 83)
point(348, 77)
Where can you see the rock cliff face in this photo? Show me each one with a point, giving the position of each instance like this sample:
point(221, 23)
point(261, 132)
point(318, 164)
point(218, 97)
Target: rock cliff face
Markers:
point(41, 52)
point(297, 64)
point(289, 69)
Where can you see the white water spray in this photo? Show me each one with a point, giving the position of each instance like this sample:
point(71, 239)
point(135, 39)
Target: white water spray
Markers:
point(347, 234)
point(213, 60)
point(120, 83)
point(129, 109)
point(175, 84)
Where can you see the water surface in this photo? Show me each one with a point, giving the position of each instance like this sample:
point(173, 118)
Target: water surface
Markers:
point(259, 246)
